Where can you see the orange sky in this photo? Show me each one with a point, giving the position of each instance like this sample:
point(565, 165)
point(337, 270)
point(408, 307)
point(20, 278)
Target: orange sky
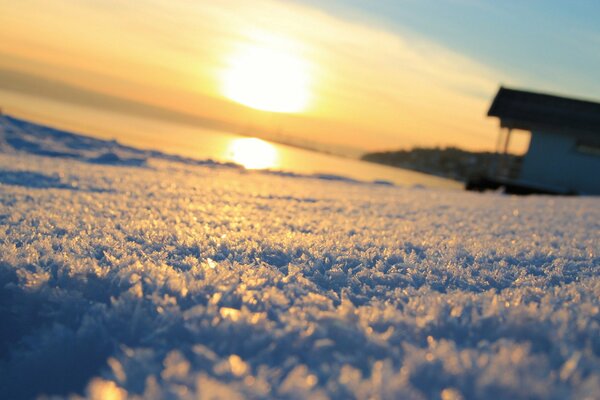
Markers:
point(368, 88)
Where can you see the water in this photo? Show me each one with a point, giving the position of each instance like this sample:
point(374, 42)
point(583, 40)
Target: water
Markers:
point(199, 143)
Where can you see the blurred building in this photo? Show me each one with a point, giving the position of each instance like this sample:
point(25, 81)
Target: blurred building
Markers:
point(564, 151)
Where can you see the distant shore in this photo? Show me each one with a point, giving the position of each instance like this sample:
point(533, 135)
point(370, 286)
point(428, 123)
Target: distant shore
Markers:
point(450, 162)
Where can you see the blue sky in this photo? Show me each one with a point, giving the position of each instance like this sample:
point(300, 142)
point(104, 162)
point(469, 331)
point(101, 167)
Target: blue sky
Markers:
point(546, 45)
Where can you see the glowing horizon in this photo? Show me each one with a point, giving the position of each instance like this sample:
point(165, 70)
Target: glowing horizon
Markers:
point(338, 87)
point(329, 78)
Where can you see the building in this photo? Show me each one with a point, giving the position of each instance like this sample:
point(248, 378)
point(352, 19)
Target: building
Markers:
point(564, 151)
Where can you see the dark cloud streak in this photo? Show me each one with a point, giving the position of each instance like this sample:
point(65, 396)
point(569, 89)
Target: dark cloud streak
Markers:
point(30, 84)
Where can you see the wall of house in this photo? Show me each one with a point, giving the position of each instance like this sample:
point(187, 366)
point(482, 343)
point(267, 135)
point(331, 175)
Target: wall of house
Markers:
point(557, 160)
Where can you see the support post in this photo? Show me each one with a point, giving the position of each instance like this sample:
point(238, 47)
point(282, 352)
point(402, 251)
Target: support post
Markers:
point(499, 139)
point(505, 163)
point(495, 167)
point(507, 140)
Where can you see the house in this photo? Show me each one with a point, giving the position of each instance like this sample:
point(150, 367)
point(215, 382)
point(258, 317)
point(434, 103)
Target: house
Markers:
point(564, 151)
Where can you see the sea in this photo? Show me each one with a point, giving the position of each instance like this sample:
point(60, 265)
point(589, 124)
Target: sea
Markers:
point(200, 143)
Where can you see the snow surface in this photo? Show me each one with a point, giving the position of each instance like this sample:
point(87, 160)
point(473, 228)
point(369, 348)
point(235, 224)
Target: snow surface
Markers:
point(127, 273)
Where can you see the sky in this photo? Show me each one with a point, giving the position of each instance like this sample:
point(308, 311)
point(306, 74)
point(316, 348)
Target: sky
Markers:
point(364, 74)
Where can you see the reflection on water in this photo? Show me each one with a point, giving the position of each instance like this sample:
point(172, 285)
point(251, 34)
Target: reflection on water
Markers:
point(198, 143)
point(253, 153)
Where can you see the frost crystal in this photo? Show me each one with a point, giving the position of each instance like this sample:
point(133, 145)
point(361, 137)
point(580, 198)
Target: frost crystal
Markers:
point(125, 274)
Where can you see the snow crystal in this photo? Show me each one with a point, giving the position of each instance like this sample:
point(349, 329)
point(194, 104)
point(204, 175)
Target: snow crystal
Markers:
point(176, 279)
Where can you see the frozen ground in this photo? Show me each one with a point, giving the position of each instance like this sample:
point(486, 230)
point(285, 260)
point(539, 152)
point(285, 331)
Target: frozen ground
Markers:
point(128, 273)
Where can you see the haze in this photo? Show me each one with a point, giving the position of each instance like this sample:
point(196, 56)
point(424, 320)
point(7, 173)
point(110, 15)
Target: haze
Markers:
point(363, 75)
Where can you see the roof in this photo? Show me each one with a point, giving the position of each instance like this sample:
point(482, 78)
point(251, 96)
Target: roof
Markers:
point(527, 110)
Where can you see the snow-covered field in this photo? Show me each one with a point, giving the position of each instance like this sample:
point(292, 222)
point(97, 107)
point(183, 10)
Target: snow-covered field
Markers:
point(133, 274)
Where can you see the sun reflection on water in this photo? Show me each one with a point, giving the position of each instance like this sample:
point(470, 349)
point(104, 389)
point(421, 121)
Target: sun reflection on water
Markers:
point(253, 153)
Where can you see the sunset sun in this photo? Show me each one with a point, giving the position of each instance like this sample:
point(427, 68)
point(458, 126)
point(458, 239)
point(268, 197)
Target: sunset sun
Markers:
point(268, 79)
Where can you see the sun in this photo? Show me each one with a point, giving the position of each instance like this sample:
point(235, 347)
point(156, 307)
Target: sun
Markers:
point(267, 78)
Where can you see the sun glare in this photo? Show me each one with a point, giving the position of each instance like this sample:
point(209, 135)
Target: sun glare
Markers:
point(267, 78)
point(253, 153)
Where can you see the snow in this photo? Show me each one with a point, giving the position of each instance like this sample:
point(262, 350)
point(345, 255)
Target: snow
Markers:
point(128, 273)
